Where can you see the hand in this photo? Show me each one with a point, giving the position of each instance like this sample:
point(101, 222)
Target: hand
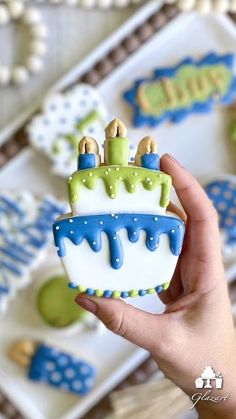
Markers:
point(196, 329)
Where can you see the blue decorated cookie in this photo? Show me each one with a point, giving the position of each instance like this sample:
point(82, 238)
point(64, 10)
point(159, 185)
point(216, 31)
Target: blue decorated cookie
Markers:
point(222, 193)
point(118, 240)
point(173, 93)
point(54, 367)
point(25, 233)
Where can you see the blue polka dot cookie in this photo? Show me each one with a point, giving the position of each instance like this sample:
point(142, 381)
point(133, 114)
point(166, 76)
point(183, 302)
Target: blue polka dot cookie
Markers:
point(52, 366)
point(222, 193)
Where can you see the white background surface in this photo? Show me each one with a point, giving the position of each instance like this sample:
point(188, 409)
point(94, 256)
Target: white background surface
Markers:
point(73, 33)
point(201, 143)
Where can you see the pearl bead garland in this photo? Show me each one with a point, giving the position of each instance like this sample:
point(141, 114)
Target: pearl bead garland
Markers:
point(16, 10)
point(205, 6)
point(89, 4)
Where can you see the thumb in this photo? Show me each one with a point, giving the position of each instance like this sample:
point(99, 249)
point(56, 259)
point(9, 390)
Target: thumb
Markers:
point(139, 327)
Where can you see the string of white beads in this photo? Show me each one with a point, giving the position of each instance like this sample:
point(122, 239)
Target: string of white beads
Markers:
point(205, 6)
point(16, 10)
point(89, 4)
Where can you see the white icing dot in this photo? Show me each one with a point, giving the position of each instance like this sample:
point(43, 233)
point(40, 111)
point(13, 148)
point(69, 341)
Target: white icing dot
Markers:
point(56, 377)
point(112, 195)
point(85, 222)
point(150, 183)
point(74, 196)
point(112, 215)
point(155, 218)
point(111, 187)
point(84, 370)
point(114, 238)
point(106, 172)
point(70, 178)
point(57, 227)
point(148, 179)
point(71, 232)
point(179, 226)
point(132, 186)
point(101, 222)
point(109, 169)
point(173, 231)
point(117, 169)
point(135, 219)
point(83, 180)
point(63, 361)
point(117, 260)
point(69, 373)
point(116, 216)
point(90, 174)
point(77, 385)
point(119, 178)
point(50, 366)
point(71, 221)
point(134, 233)
point(94, 243)
point(135, 174)
point(151, 238)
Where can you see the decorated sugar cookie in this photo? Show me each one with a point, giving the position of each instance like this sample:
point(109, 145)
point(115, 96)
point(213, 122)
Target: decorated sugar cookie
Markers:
point(118, 240)
point(25, 233)
point(222, 192)
point(173, 93)
point(65, 118)
point(51, 366)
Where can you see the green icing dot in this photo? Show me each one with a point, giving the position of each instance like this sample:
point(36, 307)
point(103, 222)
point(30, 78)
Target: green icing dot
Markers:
point(99, 293)
point(133, 293)
point(166, 285)
point(116, 294)
point(132, 177)
point(151, 291)
point(56, 305)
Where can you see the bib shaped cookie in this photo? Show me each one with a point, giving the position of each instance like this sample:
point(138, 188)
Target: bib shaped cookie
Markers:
point(119, 240)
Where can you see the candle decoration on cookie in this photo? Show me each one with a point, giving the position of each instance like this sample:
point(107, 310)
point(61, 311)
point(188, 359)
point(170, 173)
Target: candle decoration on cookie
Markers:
point(118, 240)
point(88, 154)
point(173, 93)
point(146, 155)
point(54, 367)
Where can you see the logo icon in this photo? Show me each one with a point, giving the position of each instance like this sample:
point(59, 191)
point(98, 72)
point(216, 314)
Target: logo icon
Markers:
point(209, 379)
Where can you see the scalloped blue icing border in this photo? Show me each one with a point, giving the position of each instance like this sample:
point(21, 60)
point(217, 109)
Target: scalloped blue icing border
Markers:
point(118, 294)
point(212, 58)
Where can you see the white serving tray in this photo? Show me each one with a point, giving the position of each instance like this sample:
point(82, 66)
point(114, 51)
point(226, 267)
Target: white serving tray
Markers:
point(200, 143)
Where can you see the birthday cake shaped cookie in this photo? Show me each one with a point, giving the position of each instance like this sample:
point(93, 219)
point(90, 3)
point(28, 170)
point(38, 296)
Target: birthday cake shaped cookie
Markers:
point(119, 240)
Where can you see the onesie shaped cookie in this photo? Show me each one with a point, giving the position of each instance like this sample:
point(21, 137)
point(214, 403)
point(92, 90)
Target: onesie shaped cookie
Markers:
point(119, 241)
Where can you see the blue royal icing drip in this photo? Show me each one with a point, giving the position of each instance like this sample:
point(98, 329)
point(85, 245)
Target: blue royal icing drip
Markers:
point(176, 116)
point(90, 228)
point(61, 370)
point(223, 195)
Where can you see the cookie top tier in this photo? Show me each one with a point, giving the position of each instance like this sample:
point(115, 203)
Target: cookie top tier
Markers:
point(117, 185)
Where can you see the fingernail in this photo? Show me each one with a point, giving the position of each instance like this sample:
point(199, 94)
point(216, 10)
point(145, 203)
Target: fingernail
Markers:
point(87, 304)
point(172, 158)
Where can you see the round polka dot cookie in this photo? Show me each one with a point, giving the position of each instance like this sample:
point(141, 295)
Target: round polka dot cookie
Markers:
point(222, 192)
point(118, 240)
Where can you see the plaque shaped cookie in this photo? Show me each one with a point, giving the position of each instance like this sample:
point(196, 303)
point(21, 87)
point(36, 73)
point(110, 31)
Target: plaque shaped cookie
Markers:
point(25, 234)
point(173, 93)
point(65, 118)
point(119, 241)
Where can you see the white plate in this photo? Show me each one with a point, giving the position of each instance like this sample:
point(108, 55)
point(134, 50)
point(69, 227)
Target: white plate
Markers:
point(200, 143)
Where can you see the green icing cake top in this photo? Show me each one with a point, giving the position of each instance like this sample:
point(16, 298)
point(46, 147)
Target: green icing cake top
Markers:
point(56, 305)
point(112, 176)
point(190, 84)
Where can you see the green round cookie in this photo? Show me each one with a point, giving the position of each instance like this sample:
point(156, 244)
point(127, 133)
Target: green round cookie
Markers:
point(56, 305)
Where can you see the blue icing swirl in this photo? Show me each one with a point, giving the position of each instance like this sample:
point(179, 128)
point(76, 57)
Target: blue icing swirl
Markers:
point(90, 228)
point(223, 195)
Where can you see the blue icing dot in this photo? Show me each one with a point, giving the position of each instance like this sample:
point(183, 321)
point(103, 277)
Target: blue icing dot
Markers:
point(90, 291)
point(142, 293)
point(107, 294)
point(73, 285)
point(124, 294)
point(159, 289)
point(90, 228)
